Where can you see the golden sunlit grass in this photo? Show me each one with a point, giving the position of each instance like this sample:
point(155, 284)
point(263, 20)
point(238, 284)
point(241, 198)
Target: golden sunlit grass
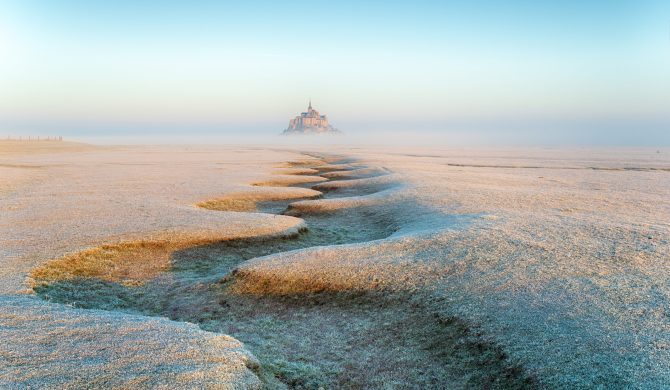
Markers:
point(289, 180)
point(296, 171)
point(354, 173)
point(269, 284)
point(134, 262)
point(126, 262)
point(304, 163)
point(241, 204)
point(248, 201)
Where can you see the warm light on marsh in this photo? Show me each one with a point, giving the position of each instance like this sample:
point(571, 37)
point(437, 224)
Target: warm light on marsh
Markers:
point(334, 195)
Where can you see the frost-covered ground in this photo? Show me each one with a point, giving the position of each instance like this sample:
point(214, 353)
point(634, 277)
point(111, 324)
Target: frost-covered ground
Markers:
point(52, 204)
point(456, 268)
point(568, 268)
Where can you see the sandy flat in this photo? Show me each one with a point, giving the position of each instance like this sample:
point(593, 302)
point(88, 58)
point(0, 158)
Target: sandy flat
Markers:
point(558, 258)
point(24, 147)
point(69, 201)
point(566, 265)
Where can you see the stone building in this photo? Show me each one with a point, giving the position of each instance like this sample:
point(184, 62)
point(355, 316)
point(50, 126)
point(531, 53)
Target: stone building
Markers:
point(310, 122)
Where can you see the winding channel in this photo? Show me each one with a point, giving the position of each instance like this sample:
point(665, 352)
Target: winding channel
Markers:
point(319, 338)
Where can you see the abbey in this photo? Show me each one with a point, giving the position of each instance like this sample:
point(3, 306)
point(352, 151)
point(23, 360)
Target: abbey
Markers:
point(310, 122)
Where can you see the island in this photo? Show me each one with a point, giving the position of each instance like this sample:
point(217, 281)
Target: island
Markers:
point(310, 122)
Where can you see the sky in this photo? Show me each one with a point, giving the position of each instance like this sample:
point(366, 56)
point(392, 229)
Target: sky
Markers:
point(535, 72)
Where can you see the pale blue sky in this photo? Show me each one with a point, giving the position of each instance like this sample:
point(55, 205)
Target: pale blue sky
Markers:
point(566, 72)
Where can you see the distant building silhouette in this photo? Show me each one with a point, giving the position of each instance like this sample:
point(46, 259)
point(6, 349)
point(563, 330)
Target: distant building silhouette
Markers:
point(310, 122)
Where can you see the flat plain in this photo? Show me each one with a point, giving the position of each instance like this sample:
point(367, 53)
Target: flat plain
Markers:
point(250, 267)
